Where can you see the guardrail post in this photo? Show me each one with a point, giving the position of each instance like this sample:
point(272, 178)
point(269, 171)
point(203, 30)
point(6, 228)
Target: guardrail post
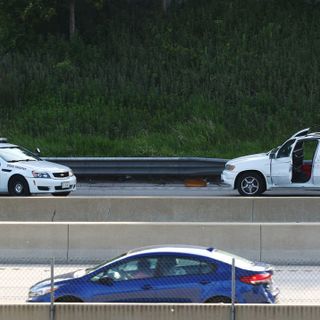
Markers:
point(233, 290)
point(52, 313)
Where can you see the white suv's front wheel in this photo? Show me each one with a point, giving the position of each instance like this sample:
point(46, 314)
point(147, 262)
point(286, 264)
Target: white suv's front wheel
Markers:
point(250, 184)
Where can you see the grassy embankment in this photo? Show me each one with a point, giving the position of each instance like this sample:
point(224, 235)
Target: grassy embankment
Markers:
point(221, 78)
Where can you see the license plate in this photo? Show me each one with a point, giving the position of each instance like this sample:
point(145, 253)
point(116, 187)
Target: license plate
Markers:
point(65, 185)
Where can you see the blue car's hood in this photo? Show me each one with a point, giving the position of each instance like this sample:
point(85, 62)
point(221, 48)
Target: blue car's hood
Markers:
point(57, 280)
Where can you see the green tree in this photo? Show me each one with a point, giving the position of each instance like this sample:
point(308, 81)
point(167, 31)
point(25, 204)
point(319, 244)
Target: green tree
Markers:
point(22, 19)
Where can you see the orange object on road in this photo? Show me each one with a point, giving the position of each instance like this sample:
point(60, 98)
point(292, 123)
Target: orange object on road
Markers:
point(195, 182)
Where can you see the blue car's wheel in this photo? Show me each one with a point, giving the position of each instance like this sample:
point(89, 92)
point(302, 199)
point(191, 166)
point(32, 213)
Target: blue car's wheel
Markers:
point(68, 299)
point(219, 300)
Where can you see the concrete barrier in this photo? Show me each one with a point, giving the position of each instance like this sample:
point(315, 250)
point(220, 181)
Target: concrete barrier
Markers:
point(286, 209)
point(158, 312)
point(24, 311)
point(111, 239)
point(142, 312)
point(294, 243)
point(89, 242)
point(161, 209)
point(33, 242)
point(124, 209)
point(277, 312)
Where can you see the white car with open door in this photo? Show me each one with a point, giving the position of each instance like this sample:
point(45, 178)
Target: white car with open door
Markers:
point(294, 164)
point(23, 173)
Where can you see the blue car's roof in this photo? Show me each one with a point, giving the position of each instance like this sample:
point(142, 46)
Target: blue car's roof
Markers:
point(207, 252)
point(174, 247)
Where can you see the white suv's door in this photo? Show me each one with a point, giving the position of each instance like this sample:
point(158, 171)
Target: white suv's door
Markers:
point(316, 167)
point(281, 165)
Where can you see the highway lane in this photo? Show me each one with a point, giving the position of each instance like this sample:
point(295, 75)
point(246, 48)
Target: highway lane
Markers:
point(298, 284)
point(176, 188)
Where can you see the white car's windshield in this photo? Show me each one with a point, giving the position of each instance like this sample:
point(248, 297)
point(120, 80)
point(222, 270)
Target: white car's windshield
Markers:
point(16, 154)
point(274, 150)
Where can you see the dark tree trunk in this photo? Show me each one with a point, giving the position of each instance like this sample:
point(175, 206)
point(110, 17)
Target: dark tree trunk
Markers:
point(165, 5)
point(72, 18)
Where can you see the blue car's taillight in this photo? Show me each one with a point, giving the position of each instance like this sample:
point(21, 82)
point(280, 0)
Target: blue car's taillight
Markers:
point(257, 278)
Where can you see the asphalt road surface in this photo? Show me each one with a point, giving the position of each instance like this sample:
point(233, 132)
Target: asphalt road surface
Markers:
point(298, 284)
point(162, 188)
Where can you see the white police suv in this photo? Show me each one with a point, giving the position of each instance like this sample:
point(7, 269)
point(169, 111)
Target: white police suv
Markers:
point(23, 173)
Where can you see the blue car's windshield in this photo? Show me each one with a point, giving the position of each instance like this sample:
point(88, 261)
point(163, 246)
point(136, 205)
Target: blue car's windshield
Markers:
point(92, 269)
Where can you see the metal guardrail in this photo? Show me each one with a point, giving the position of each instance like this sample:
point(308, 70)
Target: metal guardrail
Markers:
point(143, 166)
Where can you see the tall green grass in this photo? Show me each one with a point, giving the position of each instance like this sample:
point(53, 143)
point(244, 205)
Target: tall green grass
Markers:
point(212, 78)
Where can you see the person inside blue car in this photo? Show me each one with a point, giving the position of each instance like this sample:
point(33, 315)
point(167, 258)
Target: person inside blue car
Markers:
point(143, 270)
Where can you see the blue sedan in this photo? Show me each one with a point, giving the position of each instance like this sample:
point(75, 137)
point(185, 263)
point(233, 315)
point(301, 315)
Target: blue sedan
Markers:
point(164, 274)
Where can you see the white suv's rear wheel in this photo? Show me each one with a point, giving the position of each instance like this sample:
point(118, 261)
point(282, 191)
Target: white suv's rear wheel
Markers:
point(250, 184)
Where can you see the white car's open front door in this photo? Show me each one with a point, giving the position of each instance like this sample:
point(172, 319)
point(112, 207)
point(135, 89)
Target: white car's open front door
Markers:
point(281, 165)
point(281, 171)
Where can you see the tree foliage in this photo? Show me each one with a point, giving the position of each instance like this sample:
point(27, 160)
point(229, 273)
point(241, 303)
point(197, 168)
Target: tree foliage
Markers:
point(216, 78)
point(24, 20)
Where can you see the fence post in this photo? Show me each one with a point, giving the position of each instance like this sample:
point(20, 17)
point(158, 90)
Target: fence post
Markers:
point(52, 315)
point(233, 290)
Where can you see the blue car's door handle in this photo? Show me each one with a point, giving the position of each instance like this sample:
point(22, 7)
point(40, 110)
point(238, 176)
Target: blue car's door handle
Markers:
point(146, 287)
point(205, 281)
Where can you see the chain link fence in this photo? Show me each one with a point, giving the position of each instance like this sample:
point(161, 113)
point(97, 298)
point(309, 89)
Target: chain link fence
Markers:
point(143, 281)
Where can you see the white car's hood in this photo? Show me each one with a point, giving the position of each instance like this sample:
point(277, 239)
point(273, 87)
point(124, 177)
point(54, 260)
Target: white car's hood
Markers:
point(253, 157)
point(44, 166)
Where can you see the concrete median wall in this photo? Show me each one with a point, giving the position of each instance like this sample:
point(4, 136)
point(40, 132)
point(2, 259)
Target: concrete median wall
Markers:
point(109, 239)
point(161, 209)
point(158, 312)
point(33, 241)
point(24, 311)
point(87, 242)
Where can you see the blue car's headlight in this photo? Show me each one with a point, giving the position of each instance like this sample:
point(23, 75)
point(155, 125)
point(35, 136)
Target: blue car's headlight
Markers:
point(41, 292)
point(43, 175)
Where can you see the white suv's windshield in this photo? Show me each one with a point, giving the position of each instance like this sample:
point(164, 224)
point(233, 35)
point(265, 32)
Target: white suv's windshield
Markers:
point(16, 154)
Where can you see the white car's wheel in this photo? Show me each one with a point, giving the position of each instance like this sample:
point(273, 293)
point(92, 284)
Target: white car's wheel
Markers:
point(250, 184)
point(18, 187)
